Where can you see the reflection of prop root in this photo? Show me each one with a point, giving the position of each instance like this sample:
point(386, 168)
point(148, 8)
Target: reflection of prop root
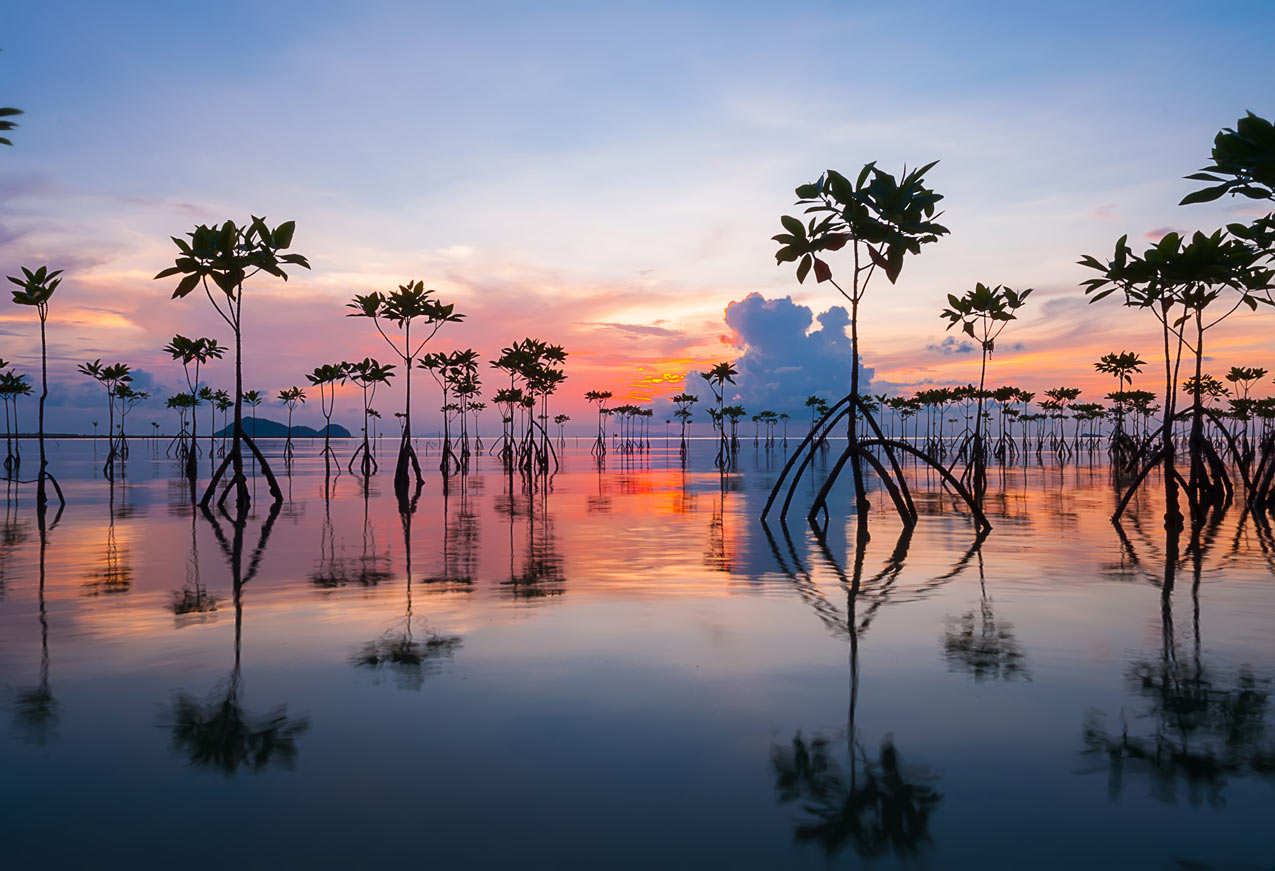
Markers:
point(892, 478)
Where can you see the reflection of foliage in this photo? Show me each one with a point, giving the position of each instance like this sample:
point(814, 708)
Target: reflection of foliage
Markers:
point(221, 736)
point(541, 576)
point(193, 600)
point(408, 660)
point(1203, 731)
point(367, 570)
point(36, 713)
point(876, 807)
point(984, 647)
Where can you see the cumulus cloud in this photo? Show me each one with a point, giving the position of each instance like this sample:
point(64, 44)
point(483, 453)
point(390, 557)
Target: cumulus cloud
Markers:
point(783, 360)
point(72, 404)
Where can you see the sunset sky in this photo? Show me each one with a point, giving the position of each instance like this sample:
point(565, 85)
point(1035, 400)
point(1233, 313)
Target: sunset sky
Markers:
point(607, 176)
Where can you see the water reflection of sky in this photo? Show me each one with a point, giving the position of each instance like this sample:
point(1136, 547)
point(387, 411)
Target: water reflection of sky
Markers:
point(628, 670)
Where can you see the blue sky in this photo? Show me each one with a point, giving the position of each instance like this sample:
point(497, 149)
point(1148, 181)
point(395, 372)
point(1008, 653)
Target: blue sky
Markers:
point(585, 172)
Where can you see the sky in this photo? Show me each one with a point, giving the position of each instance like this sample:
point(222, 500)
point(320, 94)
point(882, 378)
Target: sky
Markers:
point(607, 176)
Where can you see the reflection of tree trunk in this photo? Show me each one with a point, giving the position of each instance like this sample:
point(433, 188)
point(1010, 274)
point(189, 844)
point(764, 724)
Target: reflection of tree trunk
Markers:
point(852, 595)
point(37, 709)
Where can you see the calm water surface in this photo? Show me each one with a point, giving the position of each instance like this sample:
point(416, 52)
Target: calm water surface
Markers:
point(627, 671)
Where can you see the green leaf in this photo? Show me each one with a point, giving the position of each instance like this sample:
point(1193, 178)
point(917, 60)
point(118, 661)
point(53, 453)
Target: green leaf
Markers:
point(792, 225)
point(185, 286)
point(282, 236)
point(1204, 195)
point(803, 268)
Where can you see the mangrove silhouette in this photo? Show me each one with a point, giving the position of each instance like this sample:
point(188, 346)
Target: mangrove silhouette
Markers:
point(226, 257)
point(1191, 283)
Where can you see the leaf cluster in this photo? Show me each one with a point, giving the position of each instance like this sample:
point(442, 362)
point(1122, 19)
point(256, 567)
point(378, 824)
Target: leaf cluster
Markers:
point(1243, 163)
point(229, 254)
point(199, 350)
point(1178, 272)
point(986, 307)
point(891, 217)
point(36, 287)
point(538, 365)
point(6, 126)
point(410, 302)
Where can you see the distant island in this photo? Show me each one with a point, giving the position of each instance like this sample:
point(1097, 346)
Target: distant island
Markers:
point(272, 429)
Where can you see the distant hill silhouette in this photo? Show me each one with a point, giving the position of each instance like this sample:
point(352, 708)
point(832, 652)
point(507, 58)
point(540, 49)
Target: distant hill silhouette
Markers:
point(272, 429)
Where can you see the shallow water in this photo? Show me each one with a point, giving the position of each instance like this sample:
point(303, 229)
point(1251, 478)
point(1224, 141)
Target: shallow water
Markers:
point(627, 671)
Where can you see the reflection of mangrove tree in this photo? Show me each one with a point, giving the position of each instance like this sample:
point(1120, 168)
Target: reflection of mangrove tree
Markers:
point(874, 806)
point(540, 573)
point(219, 733)
point(458, 555)
point(36, 709)
point(409, 658)
point(192, 601)
point(114, 572)
point(980, 643)
point(871, 804)
point(369, 568)
point(1192, 724)
point(719, 556)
